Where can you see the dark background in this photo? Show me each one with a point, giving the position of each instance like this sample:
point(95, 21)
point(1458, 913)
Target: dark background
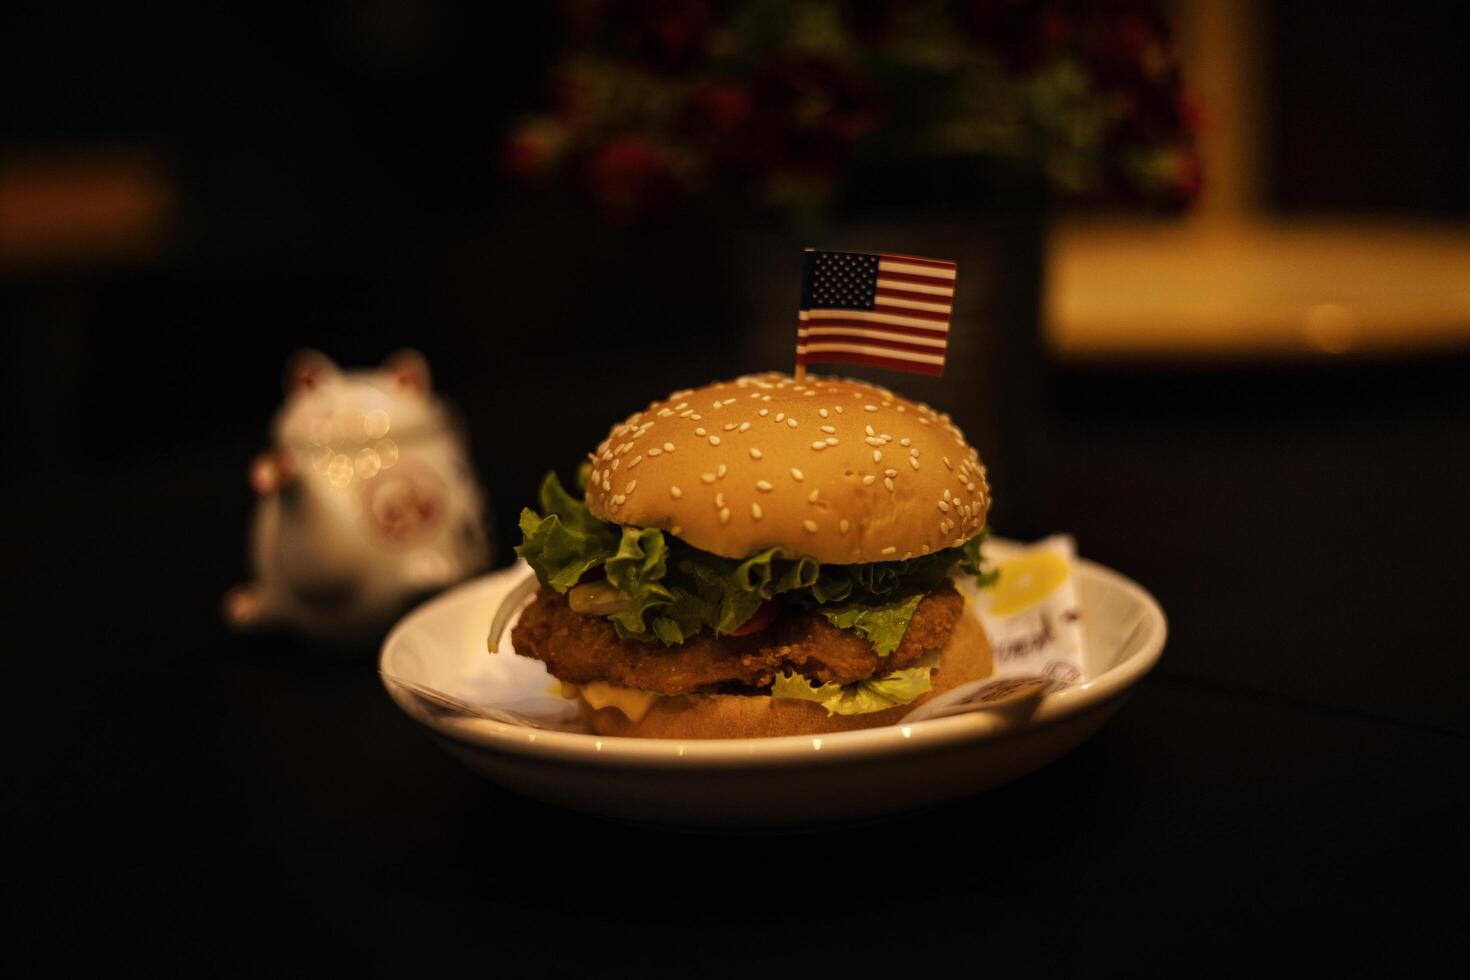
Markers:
point(1291, 777)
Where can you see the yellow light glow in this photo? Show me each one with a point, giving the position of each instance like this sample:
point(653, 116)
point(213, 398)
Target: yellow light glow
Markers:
point(339, 470)
point(368, 463)
point(387, 453)
point(376, 423)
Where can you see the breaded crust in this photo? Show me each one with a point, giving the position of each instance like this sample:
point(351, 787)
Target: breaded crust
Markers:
point(966, 658)
point(582, 649)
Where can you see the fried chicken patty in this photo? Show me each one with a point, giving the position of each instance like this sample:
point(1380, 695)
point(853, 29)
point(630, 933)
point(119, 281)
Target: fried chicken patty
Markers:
point(581, 649)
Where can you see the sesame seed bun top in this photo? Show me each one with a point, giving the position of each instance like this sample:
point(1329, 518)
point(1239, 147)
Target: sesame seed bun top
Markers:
point(840, 470)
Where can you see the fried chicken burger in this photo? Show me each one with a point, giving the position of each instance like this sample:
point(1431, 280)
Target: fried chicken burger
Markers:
point(760, 557)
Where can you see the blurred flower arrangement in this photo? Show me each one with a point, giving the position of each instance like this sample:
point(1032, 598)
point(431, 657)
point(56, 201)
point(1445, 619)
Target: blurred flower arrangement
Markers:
point(775, 104)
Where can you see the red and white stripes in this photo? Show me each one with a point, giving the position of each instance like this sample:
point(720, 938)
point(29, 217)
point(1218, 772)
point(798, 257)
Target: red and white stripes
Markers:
point(906, 330)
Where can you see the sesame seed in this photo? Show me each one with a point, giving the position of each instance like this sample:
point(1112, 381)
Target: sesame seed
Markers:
point(889, 550)
point(606, 483)
point(822, 412)
point(946, 493)
point(947, 463)
point(870, 408)
point(707, 477)
point(744, 426)
point(923, 421)
point(655, 451)
point(914, 451)
point(618, 498)
point(828, 429)
point(842, 525)
point(943, 506)
point(811, 526)
point(837, 409)
point(791, 423)
point(719, 500)
point(819, 445)
point(699, 431)
point(696, 417)
point(797, 475)
point(830, 440)
point(869, 480)
point(630, 486)
point(682, 405)
point(780, 416)
point(812, 497)
point(725, 516)
point(755, 511)
point(668, 447)
point(675, 492)
point(617, 463)
point(888, 482)
point(634, 461)
point(755, 453)
point(720, 471)
point(914, 462)
point(764, 486)
point(729, 427)
point(905, 441)
point(877, 456)
point(714, 440)
point(764, 412)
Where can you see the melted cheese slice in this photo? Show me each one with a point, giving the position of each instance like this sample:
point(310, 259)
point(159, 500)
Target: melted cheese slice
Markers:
point(600, 694)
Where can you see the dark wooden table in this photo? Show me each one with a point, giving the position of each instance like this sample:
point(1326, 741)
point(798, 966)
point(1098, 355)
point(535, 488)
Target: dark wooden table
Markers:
point(1286, 791)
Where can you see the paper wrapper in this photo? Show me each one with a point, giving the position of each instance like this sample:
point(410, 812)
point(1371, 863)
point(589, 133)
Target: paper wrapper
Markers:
point(1033, 621)
point(1030, 615)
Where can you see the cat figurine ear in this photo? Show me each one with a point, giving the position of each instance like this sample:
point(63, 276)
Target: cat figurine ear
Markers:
point(408, 369)
point(307, 369)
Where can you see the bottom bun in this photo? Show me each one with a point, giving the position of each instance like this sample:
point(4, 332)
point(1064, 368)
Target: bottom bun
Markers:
point(965, 658)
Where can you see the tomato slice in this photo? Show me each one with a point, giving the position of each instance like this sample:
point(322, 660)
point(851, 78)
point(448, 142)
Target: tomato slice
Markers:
point(763, 617)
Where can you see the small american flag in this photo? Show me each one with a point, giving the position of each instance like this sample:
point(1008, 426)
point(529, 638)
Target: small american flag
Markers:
point(889, 311)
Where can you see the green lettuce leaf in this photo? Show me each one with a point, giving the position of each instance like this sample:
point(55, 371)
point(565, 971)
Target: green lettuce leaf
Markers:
point(881, 624)
point(874, 694)
point(972, 562)
point(676, 590)
point(567, 542)
point(637, 571)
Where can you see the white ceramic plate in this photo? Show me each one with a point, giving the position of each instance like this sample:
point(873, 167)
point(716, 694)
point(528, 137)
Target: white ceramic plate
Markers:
point(753, 784)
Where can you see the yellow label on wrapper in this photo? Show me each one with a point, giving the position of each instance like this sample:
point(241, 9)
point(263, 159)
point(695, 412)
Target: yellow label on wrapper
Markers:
point(1031, 614)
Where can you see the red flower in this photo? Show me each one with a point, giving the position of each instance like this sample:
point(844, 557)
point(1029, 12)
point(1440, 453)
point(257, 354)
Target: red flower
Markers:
point(669, 34)
point(714, 118)
point(1023, 33)
point(531, 152)
point(808, 113)
point(629, 176)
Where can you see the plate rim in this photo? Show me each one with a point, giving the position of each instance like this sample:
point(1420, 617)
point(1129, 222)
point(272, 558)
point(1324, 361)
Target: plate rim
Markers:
point(783, 750)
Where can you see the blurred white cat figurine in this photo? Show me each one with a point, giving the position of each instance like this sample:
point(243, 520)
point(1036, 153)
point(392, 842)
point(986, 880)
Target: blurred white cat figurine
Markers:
point(367, 502)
